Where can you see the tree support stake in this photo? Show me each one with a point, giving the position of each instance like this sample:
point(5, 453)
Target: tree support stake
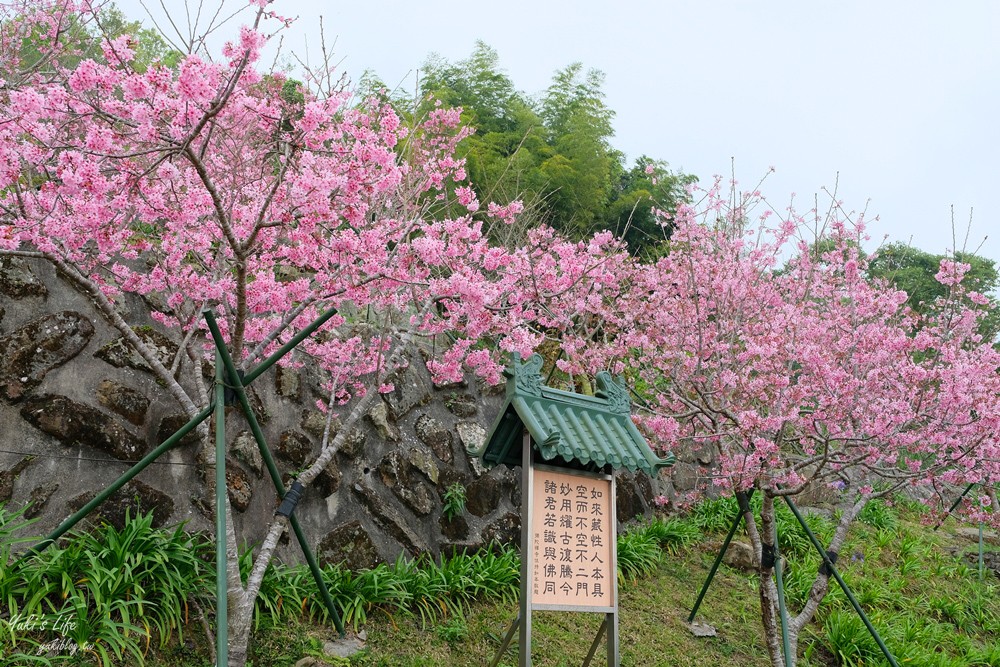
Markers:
point(828, 563)
point(597, 641)
point(954, 505)
point(786, 645)
point(506, 640)
point(744, 503)
point(290, 499)
point(221, 489)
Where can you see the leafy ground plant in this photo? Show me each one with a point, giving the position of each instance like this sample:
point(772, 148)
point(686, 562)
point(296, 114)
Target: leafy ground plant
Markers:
point(453, 612)
point(454, 501)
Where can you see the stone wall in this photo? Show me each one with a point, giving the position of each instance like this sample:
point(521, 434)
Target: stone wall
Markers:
point(76, 404)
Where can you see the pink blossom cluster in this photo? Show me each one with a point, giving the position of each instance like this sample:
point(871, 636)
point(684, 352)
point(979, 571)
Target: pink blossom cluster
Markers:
point(783, 359)
point(208, 185)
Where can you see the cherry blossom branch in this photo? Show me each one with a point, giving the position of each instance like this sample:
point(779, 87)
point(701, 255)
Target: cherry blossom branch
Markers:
point(357, 412)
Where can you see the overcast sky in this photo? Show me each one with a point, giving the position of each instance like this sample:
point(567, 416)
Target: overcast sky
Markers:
point(901, 99)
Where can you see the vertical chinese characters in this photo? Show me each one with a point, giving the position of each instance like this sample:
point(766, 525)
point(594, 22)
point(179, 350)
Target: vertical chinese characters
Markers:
point(572, 540)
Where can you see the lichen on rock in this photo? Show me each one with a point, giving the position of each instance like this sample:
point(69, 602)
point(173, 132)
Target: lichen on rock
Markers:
point(28, 354)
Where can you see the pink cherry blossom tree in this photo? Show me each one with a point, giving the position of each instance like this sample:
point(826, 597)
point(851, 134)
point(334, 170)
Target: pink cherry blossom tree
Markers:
point(796, 372)
point(217, 184)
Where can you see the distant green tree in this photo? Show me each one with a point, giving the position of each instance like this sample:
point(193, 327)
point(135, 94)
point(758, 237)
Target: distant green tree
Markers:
point(581, 172)
point(642, 202)
point(478, 86)
point(912, 270)
point(554, 153)
point(148, 44)
point(509, 144)
point(81, 40)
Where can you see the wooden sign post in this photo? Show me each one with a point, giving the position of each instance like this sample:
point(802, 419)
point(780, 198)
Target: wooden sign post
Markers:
point(568, 549)
point(568, 446)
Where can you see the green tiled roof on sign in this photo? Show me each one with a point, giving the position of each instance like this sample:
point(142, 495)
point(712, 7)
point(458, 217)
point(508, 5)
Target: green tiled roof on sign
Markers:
point(569, 429)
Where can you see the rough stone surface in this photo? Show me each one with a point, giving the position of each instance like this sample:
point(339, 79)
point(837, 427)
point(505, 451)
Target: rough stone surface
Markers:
point(972, 535)
point(471, 435)
point(433, 433)
point(421, 459)
point(379, 417)
point(354, 444)
point(328, 481)
point(294, 447)
point(699, 629)
point(170, 425)
point(120, 354)
point(28, 354)
point(991, 560)
point(287, 384)
point(455, 528)
point(644, 488)
point(629, 500)
point(684, 477)
point(39, 498)
point(314, 423)
point(739, 555)
point(135, 498)
point(349, 544)
point(484, 495)
point(451, 476)
point(515, 492)
point(478, 469)
point(400, 473)
point(8, 476)
point(245, 450)
point(310, 661)
point(17, 281)
point(389, 519)
point(345, 647)
point(240, 486)
point(662, 485)
point(461, 405)
point(410, 389)
point(76, 424)
point(505, 530)
point(125, 401)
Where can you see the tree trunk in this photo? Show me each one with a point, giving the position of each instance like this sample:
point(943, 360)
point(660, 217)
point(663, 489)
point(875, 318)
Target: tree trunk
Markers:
point(240, 624)
point(769, 612)
point(241, 613)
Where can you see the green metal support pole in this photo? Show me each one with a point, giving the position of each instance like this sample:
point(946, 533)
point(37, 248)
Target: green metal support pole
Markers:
point(836, 575)
point(171, 441)
point(318, 576)
point(239, 386)
point(981, 571)
point(786, 644)
point(288, 347)
point(718, 560)
point(958, 501)
point(221, 488)
point(715, 566)
point(119, 483)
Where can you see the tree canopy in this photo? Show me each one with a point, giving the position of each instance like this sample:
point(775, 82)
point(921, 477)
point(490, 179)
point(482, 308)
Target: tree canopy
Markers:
point(913, 271)
point(555, 152)
point(218, 183)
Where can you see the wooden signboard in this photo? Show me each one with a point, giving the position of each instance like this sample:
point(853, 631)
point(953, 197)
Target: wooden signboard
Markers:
point(567, 446)
point(572, 540)
point(568, 551)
